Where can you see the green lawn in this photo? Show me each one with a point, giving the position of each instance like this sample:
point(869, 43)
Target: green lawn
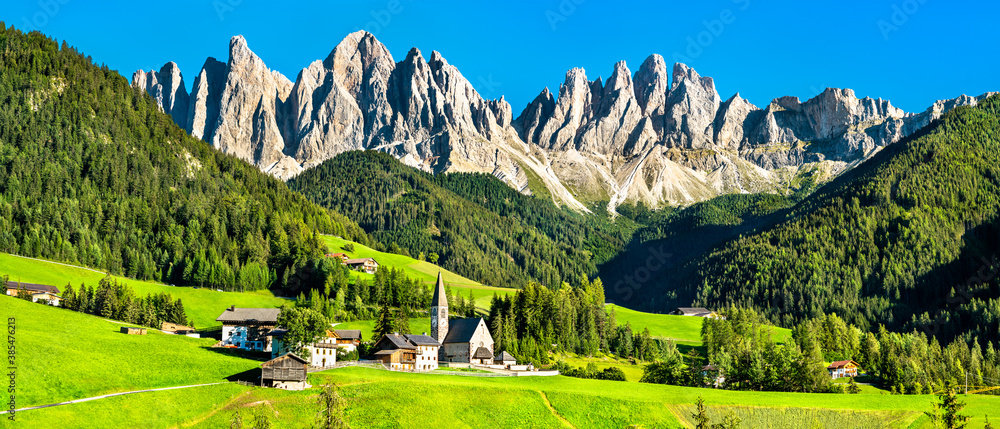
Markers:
point(201, 305)
point(684, 330)
point(632, 372)
point(64, 355)
point(424, 271)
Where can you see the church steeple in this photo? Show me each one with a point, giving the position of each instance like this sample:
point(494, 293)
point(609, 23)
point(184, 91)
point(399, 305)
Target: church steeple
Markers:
point(439, 311)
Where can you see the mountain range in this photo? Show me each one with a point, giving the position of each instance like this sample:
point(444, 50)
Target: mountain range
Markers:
point(634, 137)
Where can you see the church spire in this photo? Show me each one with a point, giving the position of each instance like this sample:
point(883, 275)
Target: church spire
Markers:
point(440, 296)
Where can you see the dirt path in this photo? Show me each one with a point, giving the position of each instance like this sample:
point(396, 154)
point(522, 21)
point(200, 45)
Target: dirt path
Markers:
point(215, 411)
point(554, 412)
point(110, 395)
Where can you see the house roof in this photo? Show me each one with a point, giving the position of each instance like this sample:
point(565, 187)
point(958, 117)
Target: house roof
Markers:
point(397, 341)
point(440, 295)
point(422, 340)
point(173, 327)
point(348, 334)
point(260, 315)
point(482, 353)
point(842, 364)
point(31, 287)
point(693, 310)
point(359, 261)
point(462, 330)
point(505, 357)
point(291, 355)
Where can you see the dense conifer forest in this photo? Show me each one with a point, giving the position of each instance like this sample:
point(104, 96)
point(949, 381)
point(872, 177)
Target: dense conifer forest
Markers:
point(92, 173)
point(908, 239)
point(479, 227)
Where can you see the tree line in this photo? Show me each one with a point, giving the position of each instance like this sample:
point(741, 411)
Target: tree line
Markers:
point(92, 173)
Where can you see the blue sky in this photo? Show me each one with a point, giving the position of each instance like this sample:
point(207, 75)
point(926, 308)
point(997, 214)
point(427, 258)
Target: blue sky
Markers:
point(912, 52)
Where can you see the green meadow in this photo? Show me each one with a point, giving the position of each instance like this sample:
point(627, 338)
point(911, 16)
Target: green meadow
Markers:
point(382, 399)
point(202, 305)
point(684, 330)
point(424, 271)
point(63, 355)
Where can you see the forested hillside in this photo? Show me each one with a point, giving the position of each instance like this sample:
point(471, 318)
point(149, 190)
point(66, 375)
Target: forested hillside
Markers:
point(478, 227)
point(92, 173)
point(910, 239)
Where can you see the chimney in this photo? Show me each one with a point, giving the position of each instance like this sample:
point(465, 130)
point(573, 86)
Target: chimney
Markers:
point(231, 308)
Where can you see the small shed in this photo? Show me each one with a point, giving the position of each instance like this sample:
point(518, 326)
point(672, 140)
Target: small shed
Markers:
point(504, 359)
point(173, 328)
point(133, 330)
point(287, 372)
point(696, 312)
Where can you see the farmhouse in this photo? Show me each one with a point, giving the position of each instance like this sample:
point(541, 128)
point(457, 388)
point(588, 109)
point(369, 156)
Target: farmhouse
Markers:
point(461, 339)
point(348, 339)
point(286, 372)
point(323, 352)
point(46, 293)
point(247, 328)
point(367, 265)
point(395, 352)
point(696, 312)
point(843, 368)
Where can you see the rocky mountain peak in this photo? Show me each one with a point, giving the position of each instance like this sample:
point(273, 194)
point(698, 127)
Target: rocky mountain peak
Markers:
point(167, 88)
point(651, 85)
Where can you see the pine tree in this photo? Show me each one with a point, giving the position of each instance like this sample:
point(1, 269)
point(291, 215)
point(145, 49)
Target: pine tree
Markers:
point(384, 325)
point(402, 321)
point(950, 407)
point(701, 415)
point(853, 387)
point(331, 414)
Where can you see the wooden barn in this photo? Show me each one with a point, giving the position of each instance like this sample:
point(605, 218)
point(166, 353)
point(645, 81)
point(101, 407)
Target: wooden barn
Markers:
point(287, 372)
point(133, 330)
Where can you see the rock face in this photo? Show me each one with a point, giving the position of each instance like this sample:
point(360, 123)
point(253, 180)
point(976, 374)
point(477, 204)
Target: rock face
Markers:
point(167, 88)
point(630, 138)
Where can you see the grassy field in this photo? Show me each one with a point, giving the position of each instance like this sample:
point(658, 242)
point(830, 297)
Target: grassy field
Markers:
point(424, 271)
point(64, 355)
point(201, 305)
point(683, 330)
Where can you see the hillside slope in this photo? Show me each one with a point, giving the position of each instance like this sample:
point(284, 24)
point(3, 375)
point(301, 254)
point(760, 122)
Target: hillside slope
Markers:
point(93, 173)
point(909, 239)
point(479, 227)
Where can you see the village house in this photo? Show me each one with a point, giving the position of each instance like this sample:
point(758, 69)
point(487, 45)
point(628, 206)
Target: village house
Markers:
point(323, 352)
point(696, 312)
point(713, 376)
point(408, 352)
point(287, 372)
point(843, 368)
point(247, 328)
point(367, 265)
point(44, 293)
point(462, 340)
point(336, 255)
point(396, 353)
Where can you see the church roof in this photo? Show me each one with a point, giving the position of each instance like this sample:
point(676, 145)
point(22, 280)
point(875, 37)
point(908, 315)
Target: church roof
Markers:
point(462, 330)
point(440, 296)
point(482, 353)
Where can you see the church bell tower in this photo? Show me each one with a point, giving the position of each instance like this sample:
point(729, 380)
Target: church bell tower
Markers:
point(439, 312)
